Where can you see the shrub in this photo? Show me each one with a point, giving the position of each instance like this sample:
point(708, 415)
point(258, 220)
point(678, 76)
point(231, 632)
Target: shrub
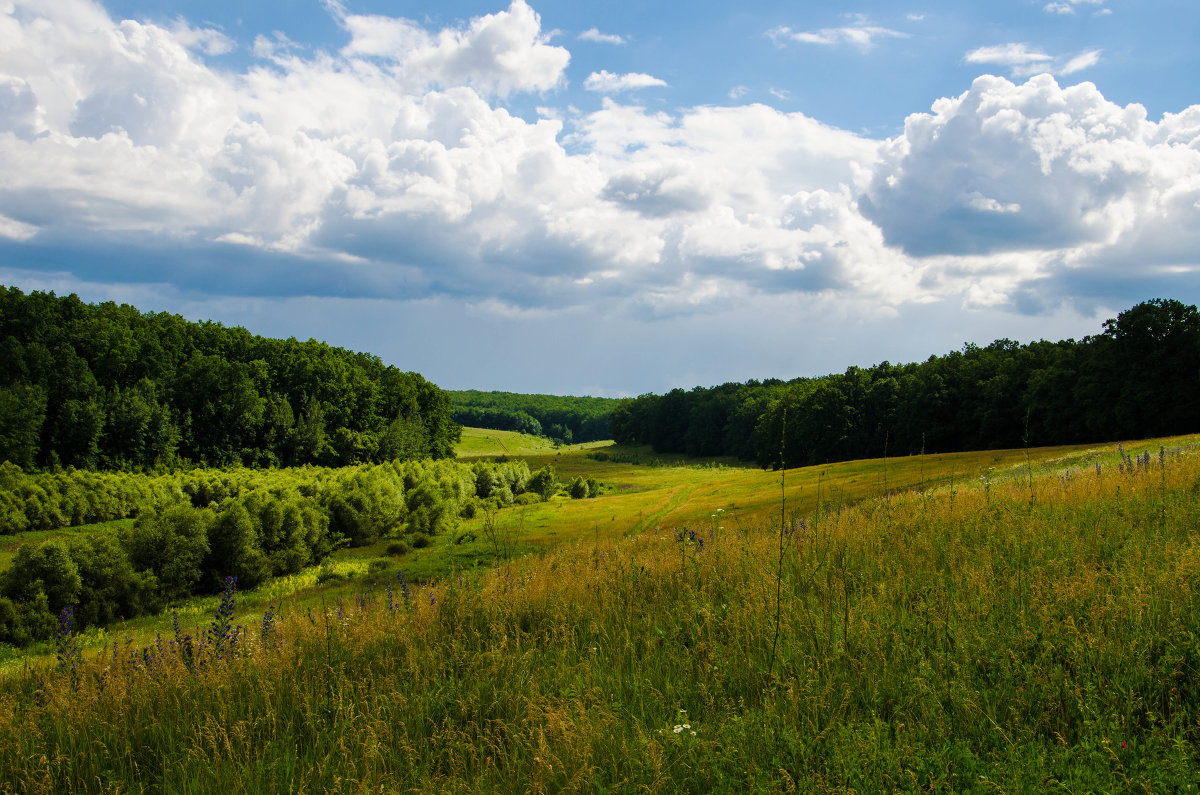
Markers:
point(528, 498)
point(420, 541)
point(544, 482)
point(397, 548)
point(579, 489)
point(326, 575)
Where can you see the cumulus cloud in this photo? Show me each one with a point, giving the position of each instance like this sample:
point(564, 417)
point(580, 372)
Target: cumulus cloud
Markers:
point(497, 53)
point(390, 169)
point(593, 34)
point(861, 34)
point(1022, 183)
point(606, 82)
point(1024, 61)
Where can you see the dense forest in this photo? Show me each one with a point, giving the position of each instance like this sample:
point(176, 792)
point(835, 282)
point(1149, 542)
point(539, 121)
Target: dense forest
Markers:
point(567, 419)
point(1140, 377)
point(106, 386)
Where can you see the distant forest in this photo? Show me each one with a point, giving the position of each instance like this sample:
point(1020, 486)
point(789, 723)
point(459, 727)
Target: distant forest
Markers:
point(1140, 377)
point(568, 419)
point(106, 386)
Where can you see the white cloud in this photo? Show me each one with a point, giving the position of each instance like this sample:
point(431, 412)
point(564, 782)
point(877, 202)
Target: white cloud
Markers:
point(1024, 61)
point(207, 40)
point(1069, 6)
point(16, 230)
point(606, 82)
point(498, 53)
point(389, 169)
point(593, 34)
point(1036, 184)
point(737, 92)
point(861, 34)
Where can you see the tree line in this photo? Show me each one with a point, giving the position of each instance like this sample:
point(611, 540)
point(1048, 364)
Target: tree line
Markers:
point(106, 386)
point(1139, 377)
point(568, 419)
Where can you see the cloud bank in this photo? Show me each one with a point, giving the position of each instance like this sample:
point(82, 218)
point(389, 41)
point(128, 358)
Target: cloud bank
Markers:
point(391, 169)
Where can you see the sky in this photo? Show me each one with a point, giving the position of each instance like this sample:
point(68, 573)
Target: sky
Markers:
point(607, 198)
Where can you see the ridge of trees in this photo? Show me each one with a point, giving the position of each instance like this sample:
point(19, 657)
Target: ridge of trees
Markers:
point(569, 419)
point(106, 386)
point(1138, 378)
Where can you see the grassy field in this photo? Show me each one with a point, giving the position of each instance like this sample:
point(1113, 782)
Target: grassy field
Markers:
point(478, 442)
point(1001, 621)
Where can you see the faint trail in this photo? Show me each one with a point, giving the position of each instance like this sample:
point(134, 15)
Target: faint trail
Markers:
point(679, 496)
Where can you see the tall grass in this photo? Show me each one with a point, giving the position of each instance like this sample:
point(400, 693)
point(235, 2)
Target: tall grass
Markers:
point(972, 639)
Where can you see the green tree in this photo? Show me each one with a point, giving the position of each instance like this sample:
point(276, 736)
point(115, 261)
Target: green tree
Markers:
point(171, 546)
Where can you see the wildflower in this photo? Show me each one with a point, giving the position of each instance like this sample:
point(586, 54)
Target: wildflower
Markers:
point(222, 632)
point(69, 655)
point(267, 633)
point(404, 592)
point(678, 728)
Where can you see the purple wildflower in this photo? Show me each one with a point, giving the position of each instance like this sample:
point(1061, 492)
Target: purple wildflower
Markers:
point(69, 655)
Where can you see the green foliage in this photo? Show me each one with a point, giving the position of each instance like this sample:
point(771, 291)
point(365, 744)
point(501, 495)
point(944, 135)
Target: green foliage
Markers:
point(110, 588)
point(544, 482)
point(579, 489)
point(106, 386)
point(171, 547)
point(47, 569)
point(197, 527)
point(368, 504)
point(234, 550)
point(1136, 380)
point(566, 418)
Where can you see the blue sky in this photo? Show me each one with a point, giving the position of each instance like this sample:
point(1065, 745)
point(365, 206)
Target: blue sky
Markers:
point(607, 198)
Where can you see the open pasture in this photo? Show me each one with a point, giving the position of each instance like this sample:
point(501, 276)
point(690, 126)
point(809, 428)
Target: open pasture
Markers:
point(1031, 629)
point(478, 442)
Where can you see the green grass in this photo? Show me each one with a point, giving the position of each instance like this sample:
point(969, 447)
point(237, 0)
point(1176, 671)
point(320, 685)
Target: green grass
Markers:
point(481, 442)
point(9, 544)
point(980, 624)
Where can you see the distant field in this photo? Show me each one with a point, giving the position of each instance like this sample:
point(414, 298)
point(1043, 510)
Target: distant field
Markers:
point(481, 442)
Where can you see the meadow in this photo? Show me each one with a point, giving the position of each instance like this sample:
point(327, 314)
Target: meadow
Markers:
point(1003, 621)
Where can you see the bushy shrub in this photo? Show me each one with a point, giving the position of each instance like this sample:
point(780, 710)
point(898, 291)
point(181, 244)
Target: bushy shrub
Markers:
point(544, 482)
point(579, 489)
point(528, 498)
point(420, 541)
point(326, 575)
point(172, 547)
point(397, 549)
